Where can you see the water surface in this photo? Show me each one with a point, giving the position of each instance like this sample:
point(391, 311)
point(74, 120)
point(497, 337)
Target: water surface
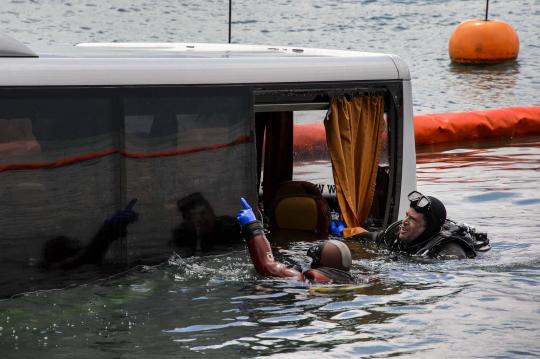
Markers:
point(218, 306)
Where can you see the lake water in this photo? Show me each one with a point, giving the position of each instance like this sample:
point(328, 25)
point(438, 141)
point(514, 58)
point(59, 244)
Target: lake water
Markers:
point(217, 306)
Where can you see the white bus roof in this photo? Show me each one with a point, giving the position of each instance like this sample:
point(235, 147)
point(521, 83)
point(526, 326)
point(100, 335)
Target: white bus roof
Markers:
point(117, 64)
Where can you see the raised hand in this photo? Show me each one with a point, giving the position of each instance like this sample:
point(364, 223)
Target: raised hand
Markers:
point(245, 215)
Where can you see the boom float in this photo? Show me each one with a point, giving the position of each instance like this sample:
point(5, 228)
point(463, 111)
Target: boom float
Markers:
point(454, 127)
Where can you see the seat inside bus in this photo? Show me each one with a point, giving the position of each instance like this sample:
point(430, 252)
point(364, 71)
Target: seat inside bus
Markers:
point(299, 197)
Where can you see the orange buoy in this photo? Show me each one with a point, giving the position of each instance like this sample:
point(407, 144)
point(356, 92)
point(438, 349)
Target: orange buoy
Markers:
point(483, 41)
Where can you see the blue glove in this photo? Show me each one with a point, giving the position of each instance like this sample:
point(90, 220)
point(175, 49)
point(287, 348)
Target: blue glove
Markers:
point(246, 214)
point(122, 217)
point(336, 227)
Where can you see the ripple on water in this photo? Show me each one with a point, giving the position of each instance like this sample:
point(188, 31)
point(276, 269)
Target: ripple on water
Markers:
point(285, 319)
point(527, 202)
point(301, 333)
point(491, 196)
point(350, 314)
point(207, 327)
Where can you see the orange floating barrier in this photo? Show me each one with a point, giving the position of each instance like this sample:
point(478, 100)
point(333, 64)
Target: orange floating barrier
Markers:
point(506, 123)
point(465, 126)
point(309, 139)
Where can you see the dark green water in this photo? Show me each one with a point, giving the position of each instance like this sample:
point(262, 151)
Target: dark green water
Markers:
point(218, 306)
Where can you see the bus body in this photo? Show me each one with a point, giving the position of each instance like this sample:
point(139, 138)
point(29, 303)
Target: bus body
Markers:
point(85, 129)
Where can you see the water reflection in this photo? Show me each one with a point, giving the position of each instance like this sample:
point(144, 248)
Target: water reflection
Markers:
point(483, 84)
point(201, 230)
point(501, 73)
point(510, 154)
point(216, 305)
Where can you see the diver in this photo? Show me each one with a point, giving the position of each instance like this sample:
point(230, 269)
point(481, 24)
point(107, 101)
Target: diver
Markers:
point(62, 252)
point(331, 259)
point(201, 230)
point(425, 231)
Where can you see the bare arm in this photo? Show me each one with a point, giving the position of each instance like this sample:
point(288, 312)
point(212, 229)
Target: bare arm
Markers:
point(259, 248)
point(261, 255)
point(264, 262)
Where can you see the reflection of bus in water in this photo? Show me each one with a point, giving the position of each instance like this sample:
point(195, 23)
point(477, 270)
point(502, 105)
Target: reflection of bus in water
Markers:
point(83, 130)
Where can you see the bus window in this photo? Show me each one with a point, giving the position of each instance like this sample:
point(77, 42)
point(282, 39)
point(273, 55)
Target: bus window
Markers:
point(189, 153)
point(58, 175)
point(312, 163)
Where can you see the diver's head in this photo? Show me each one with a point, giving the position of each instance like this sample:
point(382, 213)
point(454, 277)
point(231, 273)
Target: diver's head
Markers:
point(423, 219)
point(197, 211)
point(58, 249)
point(331, 253)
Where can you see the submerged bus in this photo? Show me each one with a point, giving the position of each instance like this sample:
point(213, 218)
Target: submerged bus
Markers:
point(86, 129)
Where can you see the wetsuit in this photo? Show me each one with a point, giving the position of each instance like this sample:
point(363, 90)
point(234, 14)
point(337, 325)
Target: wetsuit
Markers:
point(331, 259)
point(265, 264)
point(65, 253)
point(62, 252)
point(224, 232)
point(452, 241)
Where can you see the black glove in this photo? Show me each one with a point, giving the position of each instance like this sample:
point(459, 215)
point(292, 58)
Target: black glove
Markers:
point(251, 229)
point(122, 217)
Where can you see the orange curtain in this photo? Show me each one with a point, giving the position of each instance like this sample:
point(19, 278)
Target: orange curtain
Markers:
point(353, 134)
